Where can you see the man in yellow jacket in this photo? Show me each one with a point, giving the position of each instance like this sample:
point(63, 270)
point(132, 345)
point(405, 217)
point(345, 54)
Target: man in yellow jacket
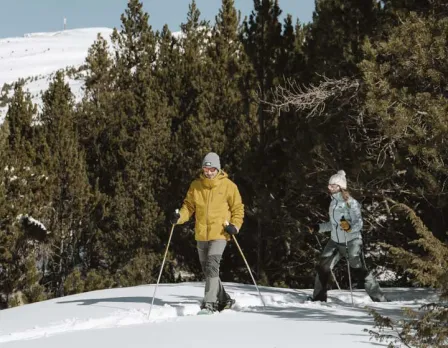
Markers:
point(214, 200)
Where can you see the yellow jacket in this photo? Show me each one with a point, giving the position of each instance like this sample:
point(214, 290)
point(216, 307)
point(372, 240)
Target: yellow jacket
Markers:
point(213, 201)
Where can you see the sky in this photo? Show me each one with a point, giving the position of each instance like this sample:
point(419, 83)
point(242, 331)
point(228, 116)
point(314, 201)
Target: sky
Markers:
point(18, 17)
point(117, 318)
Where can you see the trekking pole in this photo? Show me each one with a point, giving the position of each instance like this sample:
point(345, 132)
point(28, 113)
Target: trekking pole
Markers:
point(348, 269)
point(161, 268)
point(331, 268)
point(248, 268)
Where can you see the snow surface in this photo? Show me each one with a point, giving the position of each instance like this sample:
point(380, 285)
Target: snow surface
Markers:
point(40, 55)
point(119, 318)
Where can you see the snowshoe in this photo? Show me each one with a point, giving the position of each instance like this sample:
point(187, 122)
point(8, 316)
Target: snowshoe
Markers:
point(225, 304)
point(312, 299)
point(208, 308)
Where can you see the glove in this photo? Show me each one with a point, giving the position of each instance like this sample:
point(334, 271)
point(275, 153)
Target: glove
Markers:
point(313, 228)
point(175, 216)
point(345, 225)
point(231, 229)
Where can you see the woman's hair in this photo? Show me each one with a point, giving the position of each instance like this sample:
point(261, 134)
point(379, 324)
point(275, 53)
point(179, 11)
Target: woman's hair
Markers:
point(346, 195)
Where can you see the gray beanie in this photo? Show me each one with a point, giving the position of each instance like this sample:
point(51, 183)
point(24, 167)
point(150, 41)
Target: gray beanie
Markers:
point(211, 160)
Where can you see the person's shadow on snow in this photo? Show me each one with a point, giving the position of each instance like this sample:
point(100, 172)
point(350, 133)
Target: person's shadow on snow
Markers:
point(104, 302)
point(133, 299)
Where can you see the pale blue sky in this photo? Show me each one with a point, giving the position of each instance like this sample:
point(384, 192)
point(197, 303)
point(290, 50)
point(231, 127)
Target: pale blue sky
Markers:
point(18, 17)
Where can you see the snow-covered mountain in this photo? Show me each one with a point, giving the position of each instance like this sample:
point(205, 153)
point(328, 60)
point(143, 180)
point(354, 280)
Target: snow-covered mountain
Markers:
point(36, 57)
point(117, 318)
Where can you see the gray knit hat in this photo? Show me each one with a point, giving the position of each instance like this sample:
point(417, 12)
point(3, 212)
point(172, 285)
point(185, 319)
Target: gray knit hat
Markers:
point(211, 160)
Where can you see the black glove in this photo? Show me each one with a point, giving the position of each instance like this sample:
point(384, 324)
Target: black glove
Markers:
point(231, 229)
point(33, 229)
point(175, 216)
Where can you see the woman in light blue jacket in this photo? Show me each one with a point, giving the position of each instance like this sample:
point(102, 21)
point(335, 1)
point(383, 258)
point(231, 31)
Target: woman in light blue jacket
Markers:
point(345, 225)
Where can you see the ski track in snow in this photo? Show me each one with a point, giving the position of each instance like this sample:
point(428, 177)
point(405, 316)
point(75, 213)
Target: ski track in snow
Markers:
point(245, 302)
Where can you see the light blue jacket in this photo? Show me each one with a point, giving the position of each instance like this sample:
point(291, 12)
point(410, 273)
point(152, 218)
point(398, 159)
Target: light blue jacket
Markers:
point(351, 210)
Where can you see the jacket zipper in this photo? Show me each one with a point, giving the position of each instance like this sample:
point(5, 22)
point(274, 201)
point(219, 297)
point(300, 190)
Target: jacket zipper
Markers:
point(337, 225)
point(208, 207)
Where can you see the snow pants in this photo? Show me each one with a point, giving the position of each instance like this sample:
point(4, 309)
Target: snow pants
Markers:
point(210, 254)
point(329, 258)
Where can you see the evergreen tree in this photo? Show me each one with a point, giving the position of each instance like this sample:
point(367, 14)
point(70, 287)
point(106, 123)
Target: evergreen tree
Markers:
point(20, 191)
point(262, 38)
point(292, 56)
point(423, 327)
point(168, 73)
point(20, 117)
point(99, 129)
point(231, 101)
point(140, 127)
point(96, 116)
point(406, 83)
point(200, 131)
point(337, 33)
point(135, 54)
point(68, 189)
point(394, 11)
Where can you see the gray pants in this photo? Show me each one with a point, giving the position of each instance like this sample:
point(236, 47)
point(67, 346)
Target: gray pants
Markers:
point(210, 254)
point(329, 258)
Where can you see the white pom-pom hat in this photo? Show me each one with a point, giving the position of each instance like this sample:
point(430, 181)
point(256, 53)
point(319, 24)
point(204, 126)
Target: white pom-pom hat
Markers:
point(339, 179)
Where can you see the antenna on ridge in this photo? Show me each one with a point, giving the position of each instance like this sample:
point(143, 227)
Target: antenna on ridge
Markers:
point(65, 23)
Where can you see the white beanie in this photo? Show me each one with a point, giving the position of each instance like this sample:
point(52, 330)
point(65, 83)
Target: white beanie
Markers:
point(211, 160)
point(339, 179)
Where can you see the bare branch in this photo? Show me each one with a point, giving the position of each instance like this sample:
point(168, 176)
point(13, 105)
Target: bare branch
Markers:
point(312, 98)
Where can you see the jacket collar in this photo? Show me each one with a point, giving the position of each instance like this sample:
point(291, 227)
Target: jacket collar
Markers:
point(216, 181)
point(338, 196)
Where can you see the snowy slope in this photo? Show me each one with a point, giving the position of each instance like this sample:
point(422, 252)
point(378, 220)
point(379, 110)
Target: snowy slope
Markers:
point(38, 56)
point(119, 318)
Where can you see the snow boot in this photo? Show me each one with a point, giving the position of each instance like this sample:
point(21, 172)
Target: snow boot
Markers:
point(312, 299)
point(225, 304)
point(208, 308)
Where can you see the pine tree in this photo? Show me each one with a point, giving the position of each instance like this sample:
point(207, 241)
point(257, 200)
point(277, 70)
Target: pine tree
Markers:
point(292, 56)
point(20, 117)
point(394, 11)
point(263, 41)
point(262, 38)
point(231, 101)
point(406, 83)
point(96, 113)
point(21, 184)
point(134, 146)
point(168, 73)
point(68, 189)
point(337, 33)
point(199, 130)
point(428, 266)
point(98, 125)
